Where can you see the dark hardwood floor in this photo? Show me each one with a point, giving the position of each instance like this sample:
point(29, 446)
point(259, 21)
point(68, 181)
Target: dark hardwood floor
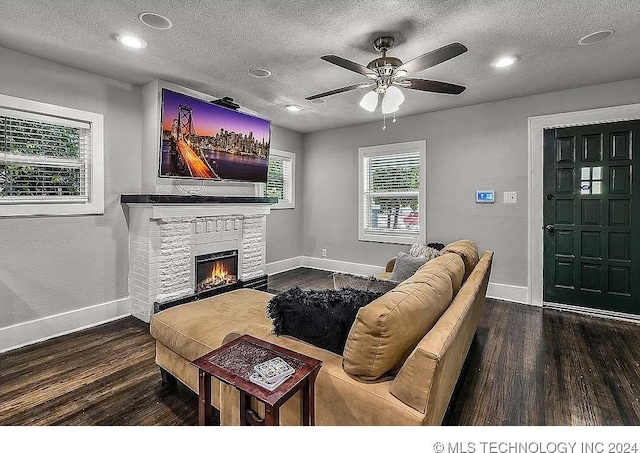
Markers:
point(105, 375)
point(303, 277)
point(527, 366)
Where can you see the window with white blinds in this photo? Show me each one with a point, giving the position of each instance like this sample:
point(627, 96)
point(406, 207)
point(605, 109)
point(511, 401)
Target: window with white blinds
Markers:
point(48, 160)
point(392, 193)
point(281, 179)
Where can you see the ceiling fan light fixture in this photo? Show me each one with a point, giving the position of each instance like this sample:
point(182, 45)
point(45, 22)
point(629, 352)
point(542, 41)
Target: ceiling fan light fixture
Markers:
point(386, 71)
point(389, 104)
point(394, 95)
point(369, 101)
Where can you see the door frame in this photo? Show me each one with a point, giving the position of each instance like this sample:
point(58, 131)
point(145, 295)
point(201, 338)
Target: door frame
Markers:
point(537, 125)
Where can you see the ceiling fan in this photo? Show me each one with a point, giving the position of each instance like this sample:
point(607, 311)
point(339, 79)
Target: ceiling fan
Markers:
point(386, 74)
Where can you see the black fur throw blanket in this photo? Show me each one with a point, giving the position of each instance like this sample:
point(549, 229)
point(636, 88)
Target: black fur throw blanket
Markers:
point(320, 317)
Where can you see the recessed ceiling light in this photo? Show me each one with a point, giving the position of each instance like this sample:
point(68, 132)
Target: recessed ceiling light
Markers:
point(260, 73)
point(503, 62)
point(156, 21)
point(293, 107)
point(593, 38)
point(131, 41)
point(318, 101)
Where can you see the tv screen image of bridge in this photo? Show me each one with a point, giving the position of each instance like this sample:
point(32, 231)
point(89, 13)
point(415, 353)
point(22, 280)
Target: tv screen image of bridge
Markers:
point(183, 134)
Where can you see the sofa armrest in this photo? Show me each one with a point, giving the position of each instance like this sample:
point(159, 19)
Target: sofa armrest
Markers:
point(427, 379)
point(390, 265)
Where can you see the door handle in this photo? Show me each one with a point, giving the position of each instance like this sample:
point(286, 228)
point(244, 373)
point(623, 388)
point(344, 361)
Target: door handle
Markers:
point(550, 229)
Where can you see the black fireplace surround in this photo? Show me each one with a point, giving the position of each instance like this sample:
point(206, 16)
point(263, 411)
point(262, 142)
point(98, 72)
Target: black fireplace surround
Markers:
point(215, 271)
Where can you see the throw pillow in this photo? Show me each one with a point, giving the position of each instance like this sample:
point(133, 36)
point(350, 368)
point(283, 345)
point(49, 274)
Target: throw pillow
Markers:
point(322, 318)
point(436, 245)
point(425, 251)
point(364, 283)
point(406, 266)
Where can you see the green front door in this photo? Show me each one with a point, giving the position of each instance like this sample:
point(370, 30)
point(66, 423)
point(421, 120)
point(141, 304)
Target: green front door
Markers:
point(591, 216)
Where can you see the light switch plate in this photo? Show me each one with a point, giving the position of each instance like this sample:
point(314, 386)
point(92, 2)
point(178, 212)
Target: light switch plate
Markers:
point(510, 197)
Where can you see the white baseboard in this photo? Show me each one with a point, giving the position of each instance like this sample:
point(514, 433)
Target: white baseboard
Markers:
point(323, 264)
point(284, 265)
point(30, 332)
point(594, 312)
point(519, 294)
point(341, 266)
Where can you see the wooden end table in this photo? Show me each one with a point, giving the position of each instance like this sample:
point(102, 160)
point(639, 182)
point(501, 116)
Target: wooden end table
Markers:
point(233, 363)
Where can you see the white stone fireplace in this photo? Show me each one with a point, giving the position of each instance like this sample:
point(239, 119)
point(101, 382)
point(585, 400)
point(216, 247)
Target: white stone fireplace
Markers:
point(165, 239)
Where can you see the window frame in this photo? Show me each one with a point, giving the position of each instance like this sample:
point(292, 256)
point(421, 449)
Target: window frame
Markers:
point(26, 108)
point(419, 146)
point(287, 155)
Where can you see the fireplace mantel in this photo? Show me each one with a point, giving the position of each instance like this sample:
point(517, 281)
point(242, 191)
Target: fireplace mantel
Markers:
point(193, 199)
point(172, 206)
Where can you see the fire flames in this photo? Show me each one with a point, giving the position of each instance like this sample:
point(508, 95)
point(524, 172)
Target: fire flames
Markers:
point(219, 274)
point(219, 277)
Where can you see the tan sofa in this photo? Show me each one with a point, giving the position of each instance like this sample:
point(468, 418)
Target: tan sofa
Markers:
point(401, 362)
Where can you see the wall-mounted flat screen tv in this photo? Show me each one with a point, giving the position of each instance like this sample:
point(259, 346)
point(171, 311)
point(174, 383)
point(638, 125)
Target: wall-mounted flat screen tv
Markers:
point(201, 140)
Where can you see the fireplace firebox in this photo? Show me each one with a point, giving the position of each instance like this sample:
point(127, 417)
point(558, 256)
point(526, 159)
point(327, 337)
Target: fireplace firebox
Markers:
point(215, 271)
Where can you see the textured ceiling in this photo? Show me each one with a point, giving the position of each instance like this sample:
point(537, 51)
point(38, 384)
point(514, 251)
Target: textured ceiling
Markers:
point(213, 44)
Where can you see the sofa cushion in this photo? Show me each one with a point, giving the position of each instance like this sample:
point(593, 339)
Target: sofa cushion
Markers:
point(422, 250)
point(319, 317)
point(453, 265)
point(467, 250)
point(191, 330)
point(406, 265)
point(361, 282)
point(386, 331)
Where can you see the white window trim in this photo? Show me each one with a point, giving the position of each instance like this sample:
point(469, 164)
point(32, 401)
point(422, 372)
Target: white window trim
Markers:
point(286, 155)
point(95, 205)
point(421, 147)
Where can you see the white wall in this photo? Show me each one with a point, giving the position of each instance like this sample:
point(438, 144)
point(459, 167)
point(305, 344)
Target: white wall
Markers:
point(53, 265)
point(470, 148)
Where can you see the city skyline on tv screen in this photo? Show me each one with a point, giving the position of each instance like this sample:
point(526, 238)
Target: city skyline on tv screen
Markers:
point(206, 141)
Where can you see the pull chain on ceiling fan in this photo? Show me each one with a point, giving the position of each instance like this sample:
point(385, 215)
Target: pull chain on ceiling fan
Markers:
point(388, 74)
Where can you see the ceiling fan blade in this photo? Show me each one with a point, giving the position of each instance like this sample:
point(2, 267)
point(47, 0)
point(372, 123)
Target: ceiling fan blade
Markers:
point(432, 58)
point(336, 91)
point(433, 86)
point(350, 65)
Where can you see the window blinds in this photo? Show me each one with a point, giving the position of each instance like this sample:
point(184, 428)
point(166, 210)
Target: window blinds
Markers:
point(43, 159)
point(391, 189)
point(279, 178)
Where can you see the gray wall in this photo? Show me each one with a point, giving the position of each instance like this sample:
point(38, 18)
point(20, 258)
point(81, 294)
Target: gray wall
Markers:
point(52, 265)
point(478, 147)
point(284, 226)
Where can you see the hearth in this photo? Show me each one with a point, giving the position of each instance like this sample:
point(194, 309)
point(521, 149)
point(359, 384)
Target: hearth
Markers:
point(215, 271)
